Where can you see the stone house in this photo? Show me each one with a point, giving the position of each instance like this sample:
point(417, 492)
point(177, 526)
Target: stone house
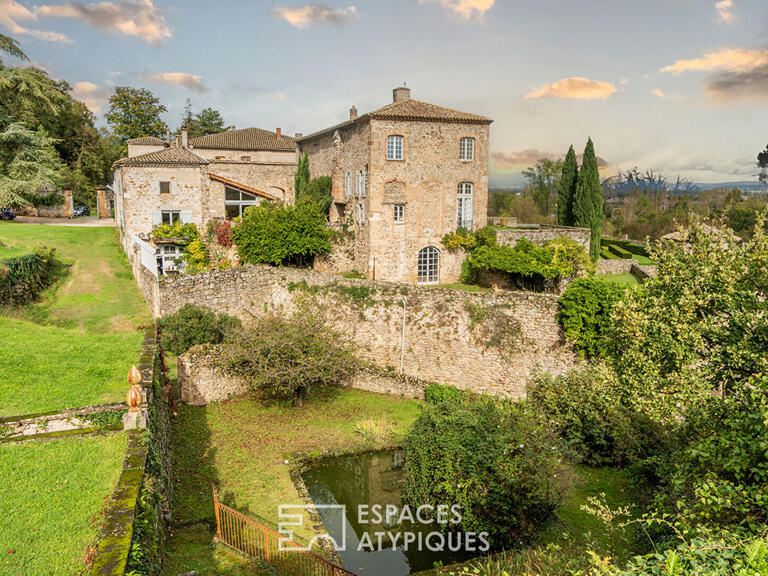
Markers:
point(195, 181)
point(404, 176)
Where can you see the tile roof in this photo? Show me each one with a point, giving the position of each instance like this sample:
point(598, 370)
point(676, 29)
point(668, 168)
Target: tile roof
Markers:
point(411, 109)
point(146, 141)
point(245, 139)
point(165, 157)
point(241, 187)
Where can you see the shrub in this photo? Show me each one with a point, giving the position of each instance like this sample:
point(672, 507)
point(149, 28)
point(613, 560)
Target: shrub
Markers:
point(222, 231)
point(276, 233)
point(585, 409)
point(439, 394)
point(178, 230)
point(195, 256)
point(288, 358)
point(462, 238)
point(195, 325)
point(23, 278)
point(319, 191)
point(585, 313)
point(490, 457)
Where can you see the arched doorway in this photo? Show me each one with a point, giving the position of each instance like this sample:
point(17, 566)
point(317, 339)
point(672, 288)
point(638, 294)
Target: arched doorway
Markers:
point(428, 266)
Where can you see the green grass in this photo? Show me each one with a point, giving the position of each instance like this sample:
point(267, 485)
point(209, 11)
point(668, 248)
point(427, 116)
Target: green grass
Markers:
point(75, 346)
point(242, 445)
point(50, 368)
point(624, 279)
point(52, 496)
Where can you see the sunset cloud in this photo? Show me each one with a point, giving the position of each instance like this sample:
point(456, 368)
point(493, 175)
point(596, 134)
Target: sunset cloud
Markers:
point(11, 13)
point(311, 13)
point(659, 93)
point(730, 59)
point(464, 8)
point(190, 81)
point(139, 18)
point(575, 88)
point(93, 96)
point(725, 11)
point(519, 159)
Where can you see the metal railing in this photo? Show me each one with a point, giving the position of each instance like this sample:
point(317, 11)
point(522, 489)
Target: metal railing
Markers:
point(259, 541)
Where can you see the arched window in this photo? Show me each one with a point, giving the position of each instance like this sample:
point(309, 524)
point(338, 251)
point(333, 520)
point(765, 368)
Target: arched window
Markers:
point(464, 206)
point(428, 267)
point(394, 148)
point(467, 149)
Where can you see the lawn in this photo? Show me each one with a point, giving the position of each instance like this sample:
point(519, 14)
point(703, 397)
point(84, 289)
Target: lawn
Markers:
point(625, 279)
point(52, 496)
point(242, 445)
point(76, 345)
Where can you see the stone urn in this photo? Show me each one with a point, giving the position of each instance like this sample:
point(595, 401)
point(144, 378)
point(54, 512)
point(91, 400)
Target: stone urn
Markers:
point(133, 398)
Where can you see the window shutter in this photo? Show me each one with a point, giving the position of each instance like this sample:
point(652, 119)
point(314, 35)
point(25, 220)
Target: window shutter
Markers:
point(157, 187)
point(186, 216)
point(174, 188)
point(157, 216)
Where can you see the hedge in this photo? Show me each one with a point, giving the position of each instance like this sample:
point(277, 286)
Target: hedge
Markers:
point(23, 278)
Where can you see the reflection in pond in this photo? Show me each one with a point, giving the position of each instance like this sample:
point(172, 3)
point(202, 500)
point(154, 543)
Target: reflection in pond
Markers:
point(359, 483)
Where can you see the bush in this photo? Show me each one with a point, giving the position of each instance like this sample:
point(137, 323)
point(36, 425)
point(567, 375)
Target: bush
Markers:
point(490, 457)
point(462, 238)
point(276, 234)
point(319, 192)
point(178, 230)
point(439, 394)
point(585, 410)
point(585, 313)
point(23, 278)
point(195, 325)
point(288, 358)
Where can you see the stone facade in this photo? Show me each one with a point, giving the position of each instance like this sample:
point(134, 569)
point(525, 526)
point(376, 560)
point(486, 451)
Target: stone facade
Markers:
point(480, 341)
point(424, 182)
point(541, 233)
point(616, 266)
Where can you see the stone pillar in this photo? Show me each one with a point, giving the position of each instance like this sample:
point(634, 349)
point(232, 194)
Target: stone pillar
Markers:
point(68, 206)
point(102, 204)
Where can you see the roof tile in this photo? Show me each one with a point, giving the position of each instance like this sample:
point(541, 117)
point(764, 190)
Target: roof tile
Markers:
point(245, 139)
point(166, 157)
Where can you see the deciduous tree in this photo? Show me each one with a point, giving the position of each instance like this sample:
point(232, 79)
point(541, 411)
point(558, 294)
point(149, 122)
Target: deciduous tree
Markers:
point(134, 113)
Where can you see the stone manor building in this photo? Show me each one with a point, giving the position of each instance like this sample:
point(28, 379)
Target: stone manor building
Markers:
point(404, 176)
point(197, 180)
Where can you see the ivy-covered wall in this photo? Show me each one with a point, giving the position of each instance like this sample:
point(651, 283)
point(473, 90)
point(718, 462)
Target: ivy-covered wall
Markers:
point(137, 516)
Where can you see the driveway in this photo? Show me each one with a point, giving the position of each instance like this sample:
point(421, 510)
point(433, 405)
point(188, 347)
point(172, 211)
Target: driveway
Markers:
point(86, 221)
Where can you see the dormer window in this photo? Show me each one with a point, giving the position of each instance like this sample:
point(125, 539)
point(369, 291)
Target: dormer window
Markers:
point(467, 149)
point(394, 148)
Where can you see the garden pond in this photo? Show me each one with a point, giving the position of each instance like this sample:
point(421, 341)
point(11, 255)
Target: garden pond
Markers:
point(366, 485)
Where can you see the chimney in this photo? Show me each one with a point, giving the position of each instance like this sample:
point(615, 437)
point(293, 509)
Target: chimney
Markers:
point(353, 113)
point(167, 137)
point(184, 137)
point(298, 135)
point(232, 128)
point(401, 94)
point(278, 133)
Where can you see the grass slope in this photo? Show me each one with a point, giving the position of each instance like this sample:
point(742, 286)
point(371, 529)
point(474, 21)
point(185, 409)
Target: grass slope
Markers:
point(75, 347)
point(52, 495)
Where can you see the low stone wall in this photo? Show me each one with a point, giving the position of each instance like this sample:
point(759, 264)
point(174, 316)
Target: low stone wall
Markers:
point(202, 379)
point(643, 272)
point(616, 266)
point(50, 424)
point(544, 233)
point(510, 221)
point(486, 342)
point(64, 210)
point(341, 259)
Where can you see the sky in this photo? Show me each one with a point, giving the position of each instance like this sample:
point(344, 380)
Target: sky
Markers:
point(676, 86)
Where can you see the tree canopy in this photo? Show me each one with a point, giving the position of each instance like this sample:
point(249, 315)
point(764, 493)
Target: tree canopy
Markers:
point(135, 113)
point(588, 200)
point(566, 189)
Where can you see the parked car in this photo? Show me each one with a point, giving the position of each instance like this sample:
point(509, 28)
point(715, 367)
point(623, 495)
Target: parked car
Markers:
point(81, 211)
point(7, 214)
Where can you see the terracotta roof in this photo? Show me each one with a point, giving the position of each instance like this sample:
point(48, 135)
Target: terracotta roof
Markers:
point(245, 139)
point(147, 141)
point(241, 187)
point(409, 109)
point(415, 110)
point(165, 157)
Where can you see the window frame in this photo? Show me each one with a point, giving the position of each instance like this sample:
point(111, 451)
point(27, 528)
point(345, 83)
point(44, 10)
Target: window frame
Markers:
point(160, 187)
point(361, 213)
point(465, 200)
point(398, 213)
point(429, 265)
point(240, 203)
point(470, 141)
point(391, 151)
point(171, 219)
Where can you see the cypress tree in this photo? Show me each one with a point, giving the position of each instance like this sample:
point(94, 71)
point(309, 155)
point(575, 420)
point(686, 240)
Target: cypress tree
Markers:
point(566, 189)
point(588, 200)
point(301, 178)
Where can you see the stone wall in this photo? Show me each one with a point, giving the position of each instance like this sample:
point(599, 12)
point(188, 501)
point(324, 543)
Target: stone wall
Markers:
point(480, 341)
point(615, 266)
point(543, 233)
point(643, 272)
point(63, 210)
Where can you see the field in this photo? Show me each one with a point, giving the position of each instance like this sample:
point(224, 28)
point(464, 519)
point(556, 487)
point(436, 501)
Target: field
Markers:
point(52, 495)
point(76, 345)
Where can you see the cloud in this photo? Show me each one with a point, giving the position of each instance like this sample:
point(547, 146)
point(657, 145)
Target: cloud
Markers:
point(465, 8)
point(659, 93)
point(190, 81)
point(11, 12)
point(139, 18)
point(93, 96)
point(519, 159)
point(725, 12)
point(736, 73)
point(577, 88)
point(311, 13)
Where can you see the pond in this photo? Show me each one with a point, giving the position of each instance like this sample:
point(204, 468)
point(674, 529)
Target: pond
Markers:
point(375, 524)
